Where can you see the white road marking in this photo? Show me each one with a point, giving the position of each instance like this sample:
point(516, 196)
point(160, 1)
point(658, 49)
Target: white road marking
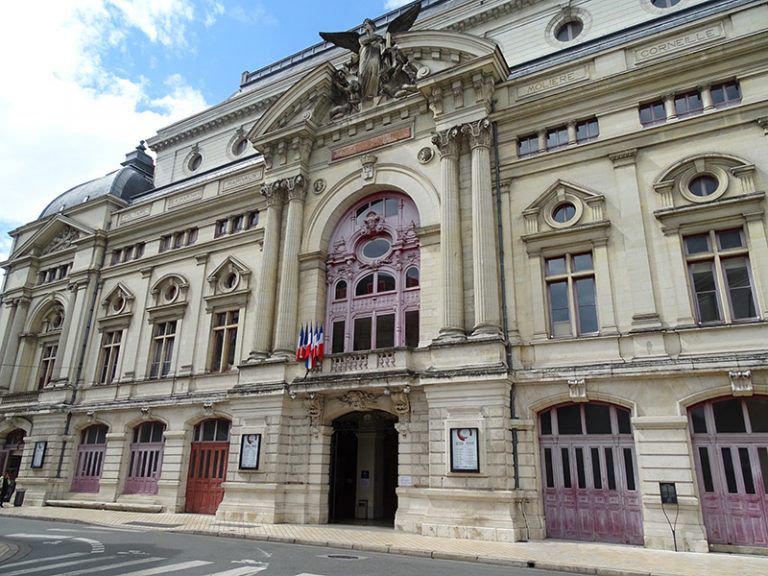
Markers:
point(266, 554)
point(244, 571)
point(105, 567)
point(96, 546)
point(308, 574)
point(59, 565)
point(168, 568)
point(47, 559)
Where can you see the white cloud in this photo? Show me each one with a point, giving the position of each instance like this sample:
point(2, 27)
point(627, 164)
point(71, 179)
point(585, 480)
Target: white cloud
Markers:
point(66, 118)
point(392, 4)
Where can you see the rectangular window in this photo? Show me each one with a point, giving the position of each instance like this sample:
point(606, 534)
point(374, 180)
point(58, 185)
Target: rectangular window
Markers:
point(361, 338)
point(652, 113)
point(162, 349)
point(252, 219)
point(527, 145)
point(557, 137)
point(385, 331)
point(165, 243)
point(587, 130)
point(110, 353)
point(191, 236)
point(571, 292)
point(236, 223)
point(720, 277)
point(688, 104)
point(412, 328)
point(220, 229)
point(337, 342)
point(726, 94)
point(223, 340)
point(116, 257)
point(47, 361)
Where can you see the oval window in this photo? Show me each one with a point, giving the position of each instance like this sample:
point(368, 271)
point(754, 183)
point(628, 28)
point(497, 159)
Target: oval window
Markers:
point(703, 185)
point(564, 212)
point(569, 30)
point(195, 161)
point(376, 248)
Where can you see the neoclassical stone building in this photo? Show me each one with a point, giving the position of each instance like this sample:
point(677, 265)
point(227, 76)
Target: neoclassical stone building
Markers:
point(534, 233)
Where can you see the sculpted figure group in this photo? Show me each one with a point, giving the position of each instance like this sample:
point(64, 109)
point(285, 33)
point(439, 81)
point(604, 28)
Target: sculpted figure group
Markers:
point(377, 68)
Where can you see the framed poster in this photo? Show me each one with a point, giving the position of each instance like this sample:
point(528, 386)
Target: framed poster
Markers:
point(465, 450)
point(250, 447)
point(38, 455)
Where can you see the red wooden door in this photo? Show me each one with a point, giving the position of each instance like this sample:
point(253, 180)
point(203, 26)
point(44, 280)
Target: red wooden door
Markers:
point(207, 472)
point(730, 442)
point(590, 489)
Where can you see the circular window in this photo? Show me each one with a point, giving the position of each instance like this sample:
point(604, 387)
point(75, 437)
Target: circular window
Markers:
point(703, 185)
point(376, 248)
point(569, 30)
point(564, 212)
point(195, 161)
point(229, 281)
point(664, 3)
point(240, 146)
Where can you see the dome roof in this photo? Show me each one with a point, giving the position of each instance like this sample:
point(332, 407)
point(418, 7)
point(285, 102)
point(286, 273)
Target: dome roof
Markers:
point(135, 177)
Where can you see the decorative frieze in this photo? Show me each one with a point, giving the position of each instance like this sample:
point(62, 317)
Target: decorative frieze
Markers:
point(62, 240)
point(359, 400)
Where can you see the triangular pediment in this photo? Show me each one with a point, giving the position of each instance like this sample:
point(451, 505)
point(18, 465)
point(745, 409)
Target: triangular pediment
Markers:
point(56, 235)
point(564, 205)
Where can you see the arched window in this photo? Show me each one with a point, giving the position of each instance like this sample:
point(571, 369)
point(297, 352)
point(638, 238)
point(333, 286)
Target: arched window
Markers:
point(374, 248)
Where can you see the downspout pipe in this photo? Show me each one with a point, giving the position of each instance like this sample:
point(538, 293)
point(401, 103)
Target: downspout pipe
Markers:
point(504, 304)
point(95, 279)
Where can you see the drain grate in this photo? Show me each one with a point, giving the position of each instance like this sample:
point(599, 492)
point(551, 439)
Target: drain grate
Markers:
point(153, 524)
point(342, 557)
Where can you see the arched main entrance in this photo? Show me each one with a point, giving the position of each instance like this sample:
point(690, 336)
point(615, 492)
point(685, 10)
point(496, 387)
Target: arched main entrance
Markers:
point(730, 445)
point(207, 466)
point(10, 455)
point(590, 486)
point(363, 475)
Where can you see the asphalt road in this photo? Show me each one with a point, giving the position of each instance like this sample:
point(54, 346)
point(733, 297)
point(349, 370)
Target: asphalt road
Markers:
point(62, 549)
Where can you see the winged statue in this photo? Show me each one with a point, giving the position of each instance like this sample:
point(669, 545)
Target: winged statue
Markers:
point(381, 68)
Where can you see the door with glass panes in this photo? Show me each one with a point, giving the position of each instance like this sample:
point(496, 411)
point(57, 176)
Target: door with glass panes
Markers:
point(207, 466)
point(730, 446)
point(588, 463)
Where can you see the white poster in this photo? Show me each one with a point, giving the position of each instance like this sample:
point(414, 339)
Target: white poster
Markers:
point(465, 450)
point(249, 451)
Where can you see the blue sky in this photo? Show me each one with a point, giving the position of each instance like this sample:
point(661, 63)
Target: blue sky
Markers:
point(85, 80)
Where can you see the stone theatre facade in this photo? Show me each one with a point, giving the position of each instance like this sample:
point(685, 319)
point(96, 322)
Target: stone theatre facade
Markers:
point(534, 234)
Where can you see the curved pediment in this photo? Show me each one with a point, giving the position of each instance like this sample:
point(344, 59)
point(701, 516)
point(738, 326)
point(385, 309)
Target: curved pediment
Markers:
point(412, 59)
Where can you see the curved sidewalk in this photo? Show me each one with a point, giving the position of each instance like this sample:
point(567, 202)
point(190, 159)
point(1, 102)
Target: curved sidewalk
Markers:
point(578, 557)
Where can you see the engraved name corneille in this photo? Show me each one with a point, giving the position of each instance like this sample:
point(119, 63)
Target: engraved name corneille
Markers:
point(377, 67)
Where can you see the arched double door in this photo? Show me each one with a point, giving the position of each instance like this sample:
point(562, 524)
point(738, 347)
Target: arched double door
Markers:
point(730, 445)
point(589, 474)
point(207, 472)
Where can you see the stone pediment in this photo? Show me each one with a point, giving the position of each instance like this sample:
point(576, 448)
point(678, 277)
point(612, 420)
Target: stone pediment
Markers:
point(328, 95)
point(564, 206)
point(56, 235)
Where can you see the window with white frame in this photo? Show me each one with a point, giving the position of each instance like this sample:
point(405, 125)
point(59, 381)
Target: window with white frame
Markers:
point(47, 362)
point(163, 338)
point(720, 276)
point(570, 280)
point(224, 340)
point(110, 354)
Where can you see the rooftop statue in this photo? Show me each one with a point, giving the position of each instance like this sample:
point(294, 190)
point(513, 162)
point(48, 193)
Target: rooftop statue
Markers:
point(377, 67)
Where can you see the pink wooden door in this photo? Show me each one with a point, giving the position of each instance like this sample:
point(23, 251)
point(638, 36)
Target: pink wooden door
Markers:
point(144, 470)
point(207, 472)
point(730, 443)
point(90, 460)
point(590, 488)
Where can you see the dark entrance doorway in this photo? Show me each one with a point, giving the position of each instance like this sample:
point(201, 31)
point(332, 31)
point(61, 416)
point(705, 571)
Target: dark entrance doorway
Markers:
point(363, 474)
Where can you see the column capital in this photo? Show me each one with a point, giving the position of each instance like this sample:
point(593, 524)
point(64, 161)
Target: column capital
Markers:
point(296, 187)
point(447, 142)
point(479, 133)
point(273, 192)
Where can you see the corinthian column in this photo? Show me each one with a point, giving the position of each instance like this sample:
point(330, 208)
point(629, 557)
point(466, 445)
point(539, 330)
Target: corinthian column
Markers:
point(267, 280)
point(484, 254)
point(451, 262)
point(285, 336)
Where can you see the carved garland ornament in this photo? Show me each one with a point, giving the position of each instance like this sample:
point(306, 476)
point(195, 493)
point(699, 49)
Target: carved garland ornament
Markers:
point(62, 240)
